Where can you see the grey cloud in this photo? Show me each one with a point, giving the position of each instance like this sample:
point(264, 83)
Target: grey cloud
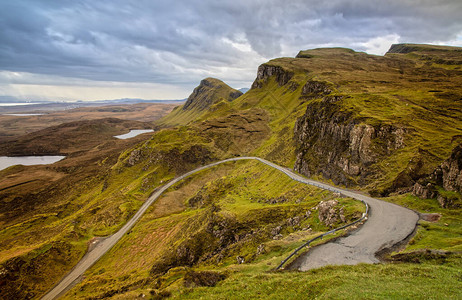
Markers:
point(178, 41)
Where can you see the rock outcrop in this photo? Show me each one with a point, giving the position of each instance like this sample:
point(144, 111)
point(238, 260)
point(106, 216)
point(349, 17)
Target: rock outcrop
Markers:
point(338, 145)
point(329, 214)
point(209, 92)
point(316, 88)
point(452, 171)
point(447, 176)
point(265, 71)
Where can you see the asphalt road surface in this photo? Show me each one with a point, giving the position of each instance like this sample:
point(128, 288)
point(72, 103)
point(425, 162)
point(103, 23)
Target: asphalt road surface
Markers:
point(387, 225)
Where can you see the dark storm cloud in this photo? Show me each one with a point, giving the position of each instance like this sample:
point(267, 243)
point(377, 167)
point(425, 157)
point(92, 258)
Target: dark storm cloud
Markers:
point(182, 41)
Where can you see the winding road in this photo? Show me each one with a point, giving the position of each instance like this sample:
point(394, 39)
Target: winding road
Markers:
point(387, 225)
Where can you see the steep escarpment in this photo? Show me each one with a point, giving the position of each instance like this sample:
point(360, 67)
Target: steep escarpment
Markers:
point(266, 71)
point(431, 53)
point(337, 145)
point(369, 120)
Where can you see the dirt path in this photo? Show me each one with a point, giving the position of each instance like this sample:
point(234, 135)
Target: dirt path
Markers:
point(388, 224)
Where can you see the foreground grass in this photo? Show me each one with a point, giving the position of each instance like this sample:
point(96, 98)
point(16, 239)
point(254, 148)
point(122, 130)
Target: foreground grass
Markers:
point(384, 281)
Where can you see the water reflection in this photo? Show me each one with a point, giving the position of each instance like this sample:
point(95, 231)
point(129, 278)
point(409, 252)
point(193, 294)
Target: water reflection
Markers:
point(133, 133)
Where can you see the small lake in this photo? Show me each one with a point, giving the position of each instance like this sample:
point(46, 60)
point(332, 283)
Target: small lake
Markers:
point(7, 161)
point(22, 115)
point(133, 133)
point(17, 104)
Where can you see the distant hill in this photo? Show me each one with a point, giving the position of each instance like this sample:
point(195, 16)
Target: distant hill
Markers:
point(209, 93)
point(133, 100)
point(9, 99)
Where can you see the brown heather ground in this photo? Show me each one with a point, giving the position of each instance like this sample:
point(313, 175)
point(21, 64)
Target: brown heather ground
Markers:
point(15, 126)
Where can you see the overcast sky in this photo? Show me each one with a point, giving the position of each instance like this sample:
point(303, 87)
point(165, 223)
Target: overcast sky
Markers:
point(154, 49)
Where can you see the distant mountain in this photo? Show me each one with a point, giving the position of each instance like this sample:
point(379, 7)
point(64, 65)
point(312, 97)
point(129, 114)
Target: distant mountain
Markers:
point(243, 90)
point(5, 99)
point(137, 100)
point(10, 99)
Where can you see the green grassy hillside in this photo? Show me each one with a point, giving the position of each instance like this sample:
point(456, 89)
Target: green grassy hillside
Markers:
point(375, 123)
point(241, 210)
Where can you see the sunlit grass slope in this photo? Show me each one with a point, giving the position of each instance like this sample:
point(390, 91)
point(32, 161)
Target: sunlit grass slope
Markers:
point(242, 209)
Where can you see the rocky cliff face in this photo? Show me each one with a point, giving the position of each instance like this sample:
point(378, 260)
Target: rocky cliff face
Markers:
point(209, 92)
point(368, 120)
point(452, 171)
point(448, 176)
point(265, 71)
point(316, 88)
point(335, 144)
